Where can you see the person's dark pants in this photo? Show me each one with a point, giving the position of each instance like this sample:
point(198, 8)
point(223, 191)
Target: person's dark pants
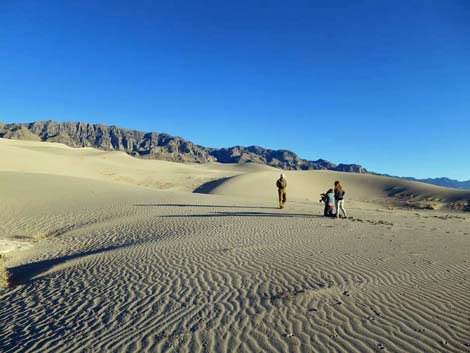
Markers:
point(329, 211)
point(282, 197)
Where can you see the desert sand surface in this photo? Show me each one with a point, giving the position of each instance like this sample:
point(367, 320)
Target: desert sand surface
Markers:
point(109, 253)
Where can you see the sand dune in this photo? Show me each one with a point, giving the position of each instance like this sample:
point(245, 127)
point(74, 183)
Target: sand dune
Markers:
point(141, 264)
point(244, 180)
point(118, 167)
point(307, 185)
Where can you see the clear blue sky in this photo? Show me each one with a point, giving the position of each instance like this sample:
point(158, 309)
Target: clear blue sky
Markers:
point(385, 84)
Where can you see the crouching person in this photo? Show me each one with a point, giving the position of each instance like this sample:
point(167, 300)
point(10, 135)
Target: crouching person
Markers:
point(329, 199)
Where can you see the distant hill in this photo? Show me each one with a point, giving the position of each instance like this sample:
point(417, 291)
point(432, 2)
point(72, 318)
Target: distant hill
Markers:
point(160, 146)
point(445, 182)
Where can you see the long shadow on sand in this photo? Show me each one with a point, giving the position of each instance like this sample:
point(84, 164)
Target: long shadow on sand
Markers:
point(206, 188)
point(246, 214)
point(204, 206)
point(25, 273)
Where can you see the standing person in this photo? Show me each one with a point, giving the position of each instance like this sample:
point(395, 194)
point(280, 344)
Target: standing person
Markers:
point(281, 184)
point(339, 198)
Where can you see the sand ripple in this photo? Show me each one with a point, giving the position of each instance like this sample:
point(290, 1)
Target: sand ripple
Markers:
point(161, 277)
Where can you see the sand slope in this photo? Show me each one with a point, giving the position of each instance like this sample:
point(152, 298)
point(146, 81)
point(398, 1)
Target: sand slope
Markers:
point(360, 188)
point(118, 267)
point(118, 167)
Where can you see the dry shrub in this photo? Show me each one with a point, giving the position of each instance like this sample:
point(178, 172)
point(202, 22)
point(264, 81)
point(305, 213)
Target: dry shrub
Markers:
point(460, 206)
point(421, 205)
point(467, 207)
point(4, 276)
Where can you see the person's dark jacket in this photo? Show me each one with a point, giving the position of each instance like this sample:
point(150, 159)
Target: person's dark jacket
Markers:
point(281, 183)
point(339, 194)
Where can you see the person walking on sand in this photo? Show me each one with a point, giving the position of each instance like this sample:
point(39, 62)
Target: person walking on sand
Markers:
point(339, 199)
point(281, 184)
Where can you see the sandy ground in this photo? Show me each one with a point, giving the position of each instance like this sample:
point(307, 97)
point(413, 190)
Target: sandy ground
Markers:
point(119, 255)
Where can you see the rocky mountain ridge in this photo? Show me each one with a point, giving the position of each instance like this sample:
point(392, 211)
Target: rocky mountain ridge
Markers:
point(444, 182)
point(156, 145)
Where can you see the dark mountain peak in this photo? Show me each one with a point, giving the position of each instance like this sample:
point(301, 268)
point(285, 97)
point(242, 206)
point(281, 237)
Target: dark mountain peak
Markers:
point(350, 168)
point(444, 182)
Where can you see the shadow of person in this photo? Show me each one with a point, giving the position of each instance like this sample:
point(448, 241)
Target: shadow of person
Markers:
point(246, 214)
point(202, 206)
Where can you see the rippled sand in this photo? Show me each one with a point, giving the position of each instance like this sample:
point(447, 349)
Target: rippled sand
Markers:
point(116, 267)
